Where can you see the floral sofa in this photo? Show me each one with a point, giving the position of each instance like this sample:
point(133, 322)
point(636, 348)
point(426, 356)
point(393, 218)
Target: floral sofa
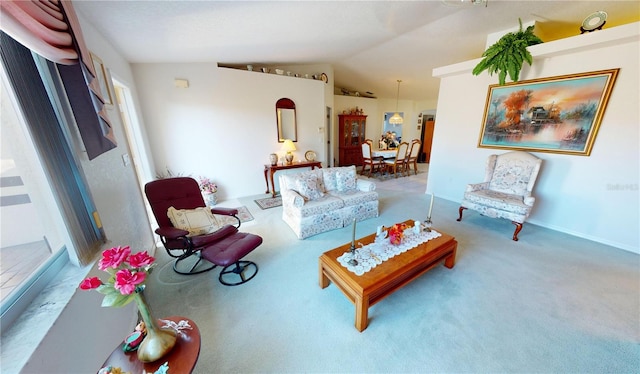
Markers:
point(321, 200)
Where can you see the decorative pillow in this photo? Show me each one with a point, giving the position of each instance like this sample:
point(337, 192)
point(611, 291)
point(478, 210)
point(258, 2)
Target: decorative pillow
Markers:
point(319, 173)
point(329, 179)
point(346, 179)
point(308, 185)
point(197, 221)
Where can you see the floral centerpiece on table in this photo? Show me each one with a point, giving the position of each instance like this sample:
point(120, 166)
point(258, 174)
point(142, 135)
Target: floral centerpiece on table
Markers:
point(207, 185)
point(390, 140)
point(396, 233)
point(127, 273)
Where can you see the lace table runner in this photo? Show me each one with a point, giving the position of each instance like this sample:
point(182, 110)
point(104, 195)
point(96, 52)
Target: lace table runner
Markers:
point(372, 255)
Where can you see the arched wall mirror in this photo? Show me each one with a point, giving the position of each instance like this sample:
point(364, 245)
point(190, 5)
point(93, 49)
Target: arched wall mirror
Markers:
point(286, 120)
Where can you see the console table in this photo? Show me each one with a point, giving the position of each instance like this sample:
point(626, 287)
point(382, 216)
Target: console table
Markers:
point(181, 359)
point(271, 170)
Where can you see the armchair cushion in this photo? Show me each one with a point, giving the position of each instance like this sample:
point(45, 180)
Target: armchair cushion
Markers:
point(513, 175)
point(197, 221)
point(224, 231)
point(499, 200)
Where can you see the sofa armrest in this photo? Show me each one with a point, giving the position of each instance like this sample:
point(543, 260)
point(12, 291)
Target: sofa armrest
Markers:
point(291, 198)
point(365, 186)
point(529, 200)
point(477, 186)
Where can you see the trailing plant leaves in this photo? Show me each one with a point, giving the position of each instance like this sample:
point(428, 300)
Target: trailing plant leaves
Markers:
point(508, 54)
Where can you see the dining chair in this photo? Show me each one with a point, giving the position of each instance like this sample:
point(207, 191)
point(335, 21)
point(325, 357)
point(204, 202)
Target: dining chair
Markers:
point(412, 156)
point(398, 164)
point(374, 163)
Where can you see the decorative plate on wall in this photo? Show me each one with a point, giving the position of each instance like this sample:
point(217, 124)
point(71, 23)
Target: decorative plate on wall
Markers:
point(594, 21)
point(310, 156)
point(324, 78)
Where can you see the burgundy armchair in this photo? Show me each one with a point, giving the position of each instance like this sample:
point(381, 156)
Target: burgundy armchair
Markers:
point(220, 246)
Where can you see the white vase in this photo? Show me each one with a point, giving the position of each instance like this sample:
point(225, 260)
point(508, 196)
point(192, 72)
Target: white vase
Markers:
point(210, 198)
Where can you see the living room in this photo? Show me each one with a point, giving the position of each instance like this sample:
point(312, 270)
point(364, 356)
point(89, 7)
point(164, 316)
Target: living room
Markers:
point(579, 196)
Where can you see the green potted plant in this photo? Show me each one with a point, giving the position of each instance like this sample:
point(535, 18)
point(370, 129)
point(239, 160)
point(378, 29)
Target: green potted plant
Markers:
point(508, 54)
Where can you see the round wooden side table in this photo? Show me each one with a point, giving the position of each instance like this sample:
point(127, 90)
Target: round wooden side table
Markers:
point(181, 359)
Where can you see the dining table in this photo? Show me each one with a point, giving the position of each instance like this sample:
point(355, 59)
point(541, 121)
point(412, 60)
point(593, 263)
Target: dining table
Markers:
point(384, 153)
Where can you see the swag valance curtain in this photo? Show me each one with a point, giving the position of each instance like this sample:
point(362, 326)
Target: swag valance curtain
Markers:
point(51, 29)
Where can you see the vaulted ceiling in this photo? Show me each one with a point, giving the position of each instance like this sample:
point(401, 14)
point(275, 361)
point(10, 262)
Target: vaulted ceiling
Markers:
point(370, 44)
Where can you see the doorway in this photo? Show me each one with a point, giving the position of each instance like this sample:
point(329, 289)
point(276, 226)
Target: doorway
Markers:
point(426, 136)
point(327, 134)
point(138, 153)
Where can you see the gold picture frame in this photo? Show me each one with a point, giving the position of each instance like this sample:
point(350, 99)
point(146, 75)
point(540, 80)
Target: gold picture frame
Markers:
point(102, 77)
point(559, 114)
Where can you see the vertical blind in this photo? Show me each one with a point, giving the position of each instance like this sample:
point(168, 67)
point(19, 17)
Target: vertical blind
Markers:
point(55, 154)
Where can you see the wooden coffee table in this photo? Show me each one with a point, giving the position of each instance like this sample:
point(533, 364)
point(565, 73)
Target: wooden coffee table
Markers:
point(367, 289)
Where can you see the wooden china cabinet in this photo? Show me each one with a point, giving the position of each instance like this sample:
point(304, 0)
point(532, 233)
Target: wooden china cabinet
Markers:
point(351, 130)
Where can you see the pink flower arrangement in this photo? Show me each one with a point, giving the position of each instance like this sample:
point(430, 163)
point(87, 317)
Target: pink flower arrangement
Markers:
point(396, 233)
point(206, 185)
point(127, 273)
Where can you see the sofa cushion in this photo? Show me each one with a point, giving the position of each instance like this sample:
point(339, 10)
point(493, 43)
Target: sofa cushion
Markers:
point(346, 179)
point(323, 205)
point(330, 176)
point(307, 184)
point(329, 179)
point(197, 221)
point(355, 197)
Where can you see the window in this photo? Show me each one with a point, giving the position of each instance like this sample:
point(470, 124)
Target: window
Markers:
point(43, 177)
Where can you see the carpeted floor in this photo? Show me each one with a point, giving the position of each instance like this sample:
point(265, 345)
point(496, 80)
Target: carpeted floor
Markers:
point(549, 303)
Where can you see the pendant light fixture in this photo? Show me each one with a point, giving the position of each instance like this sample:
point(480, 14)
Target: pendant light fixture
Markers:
point(396, 119)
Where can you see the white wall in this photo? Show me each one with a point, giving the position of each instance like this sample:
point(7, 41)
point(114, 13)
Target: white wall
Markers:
point(223, 126)
point(576, 194)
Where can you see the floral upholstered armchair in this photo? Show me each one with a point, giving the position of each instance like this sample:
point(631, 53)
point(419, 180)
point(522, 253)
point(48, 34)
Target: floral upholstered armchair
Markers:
point(506, 190)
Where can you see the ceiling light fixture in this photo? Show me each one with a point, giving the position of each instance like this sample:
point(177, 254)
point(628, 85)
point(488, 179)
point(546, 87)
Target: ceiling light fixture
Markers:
point(396, 119)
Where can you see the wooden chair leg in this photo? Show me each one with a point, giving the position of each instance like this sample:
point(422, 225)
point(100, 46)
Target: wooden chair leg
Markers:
point(517, 231)
point(460, 211)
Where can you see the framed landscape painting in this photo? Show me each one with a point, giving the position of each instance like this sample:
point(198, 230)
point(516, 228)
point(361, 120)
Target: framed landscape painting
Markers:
point(558, 114)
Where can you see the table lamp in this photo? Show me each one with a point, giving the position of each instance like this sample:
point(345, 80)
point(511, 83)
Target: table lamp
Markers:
point(288, 146)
